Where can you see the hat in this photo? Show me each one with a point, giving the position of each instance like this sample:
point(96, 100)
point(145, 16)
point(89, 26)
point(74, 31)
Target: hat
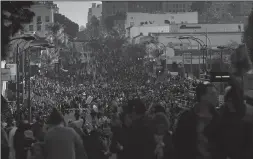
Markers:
point(55, 117)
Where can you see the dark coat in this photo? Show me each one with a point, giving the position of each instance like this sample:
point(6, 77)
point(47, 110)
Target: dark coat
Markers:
point(168, 149)
point(96, 148)
point(185, 136)
point(226, 135)
point(141, 140)
point(121, 136)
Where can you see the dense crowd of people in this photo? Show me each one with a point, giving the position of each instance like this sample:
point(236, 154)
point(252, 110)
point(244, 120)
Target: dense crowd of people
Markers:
point(120, 110)
point(155, 120)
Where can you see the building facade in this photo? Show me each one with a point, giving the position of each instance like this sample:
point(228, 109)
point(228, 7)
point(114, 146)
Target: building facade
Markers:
point(95, 10)
point(175, 7)
point(110, 8)
point(145, 19)
point(44, 15)
point(185, 29)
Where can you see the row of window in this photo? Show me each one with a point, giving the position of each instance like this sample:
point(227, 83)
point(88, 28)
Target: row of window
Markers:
point(177, 5)
point(47, 19)
point(38, 27)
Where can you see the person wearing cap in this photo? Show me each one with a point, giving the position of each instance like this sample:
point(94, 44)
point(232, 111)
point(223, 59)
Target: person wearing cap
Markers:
point(62, 142)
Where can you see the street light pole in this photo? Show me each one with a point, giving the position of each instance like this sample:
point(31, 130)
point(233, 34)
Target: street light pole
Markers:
point(17, 84)
point(29, 88)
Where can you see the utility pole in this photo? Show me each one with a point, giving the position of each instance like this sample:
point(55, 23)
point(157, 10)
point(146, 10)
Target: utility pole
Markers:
point(206, 49)
point(17, 84)
point(221, 68)
point(29, 89)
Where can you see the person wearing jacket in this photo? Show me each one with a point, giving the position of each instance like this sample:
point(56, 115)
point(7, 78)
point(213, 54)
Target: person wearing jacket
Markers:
point(196, 135)
point(140, 134)
point(22, 143)
point(236, 134)
point(4, 145)
point(62, 142)
point(200, 131)
point(120, 137)
point(162, 139)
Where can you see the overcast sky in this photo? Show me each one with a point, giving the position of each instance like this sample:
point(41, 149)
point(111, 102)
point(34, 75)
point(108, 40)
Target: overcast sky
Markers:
point(77, 11)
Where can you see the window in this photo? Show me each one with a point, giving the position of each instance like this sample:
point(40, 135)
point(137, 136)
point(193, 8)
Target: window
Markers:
point(47, 19)
point(30, 27)
point(113, 9)
point(38, 27)
point(176, 5)
point(38, 19)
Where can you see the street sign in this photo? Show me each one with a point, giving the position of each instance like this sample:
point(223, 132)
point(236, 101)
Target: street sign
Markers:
point(6, 75)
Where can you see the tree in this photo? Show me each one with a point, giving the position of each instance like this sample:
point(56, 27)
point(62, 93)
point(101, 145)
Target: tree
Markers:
point(55, 36)
point(248, 35)
point(134, 52)
point(82, 28)
point(70, 28)
point(13, 15)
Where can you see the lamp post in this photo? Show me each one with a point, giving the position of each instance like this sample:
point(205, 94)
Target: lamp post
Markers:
point(200, 42)
point(21, 52)
point(26, 38)
point(221, 65)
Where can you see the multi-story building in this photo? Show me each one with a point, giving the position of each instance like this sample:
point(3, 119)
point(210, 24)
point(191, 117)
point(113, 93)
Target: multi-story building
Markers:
point(174, 7)
point(44, 15)
point(111, 7)
point(241, 8)
point(95, 10)
point(143, 19)
point(142, 7)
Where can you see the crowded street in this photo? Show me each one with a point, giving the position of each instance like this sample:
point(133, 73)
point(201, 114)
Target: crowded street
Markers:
point(131, 80)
